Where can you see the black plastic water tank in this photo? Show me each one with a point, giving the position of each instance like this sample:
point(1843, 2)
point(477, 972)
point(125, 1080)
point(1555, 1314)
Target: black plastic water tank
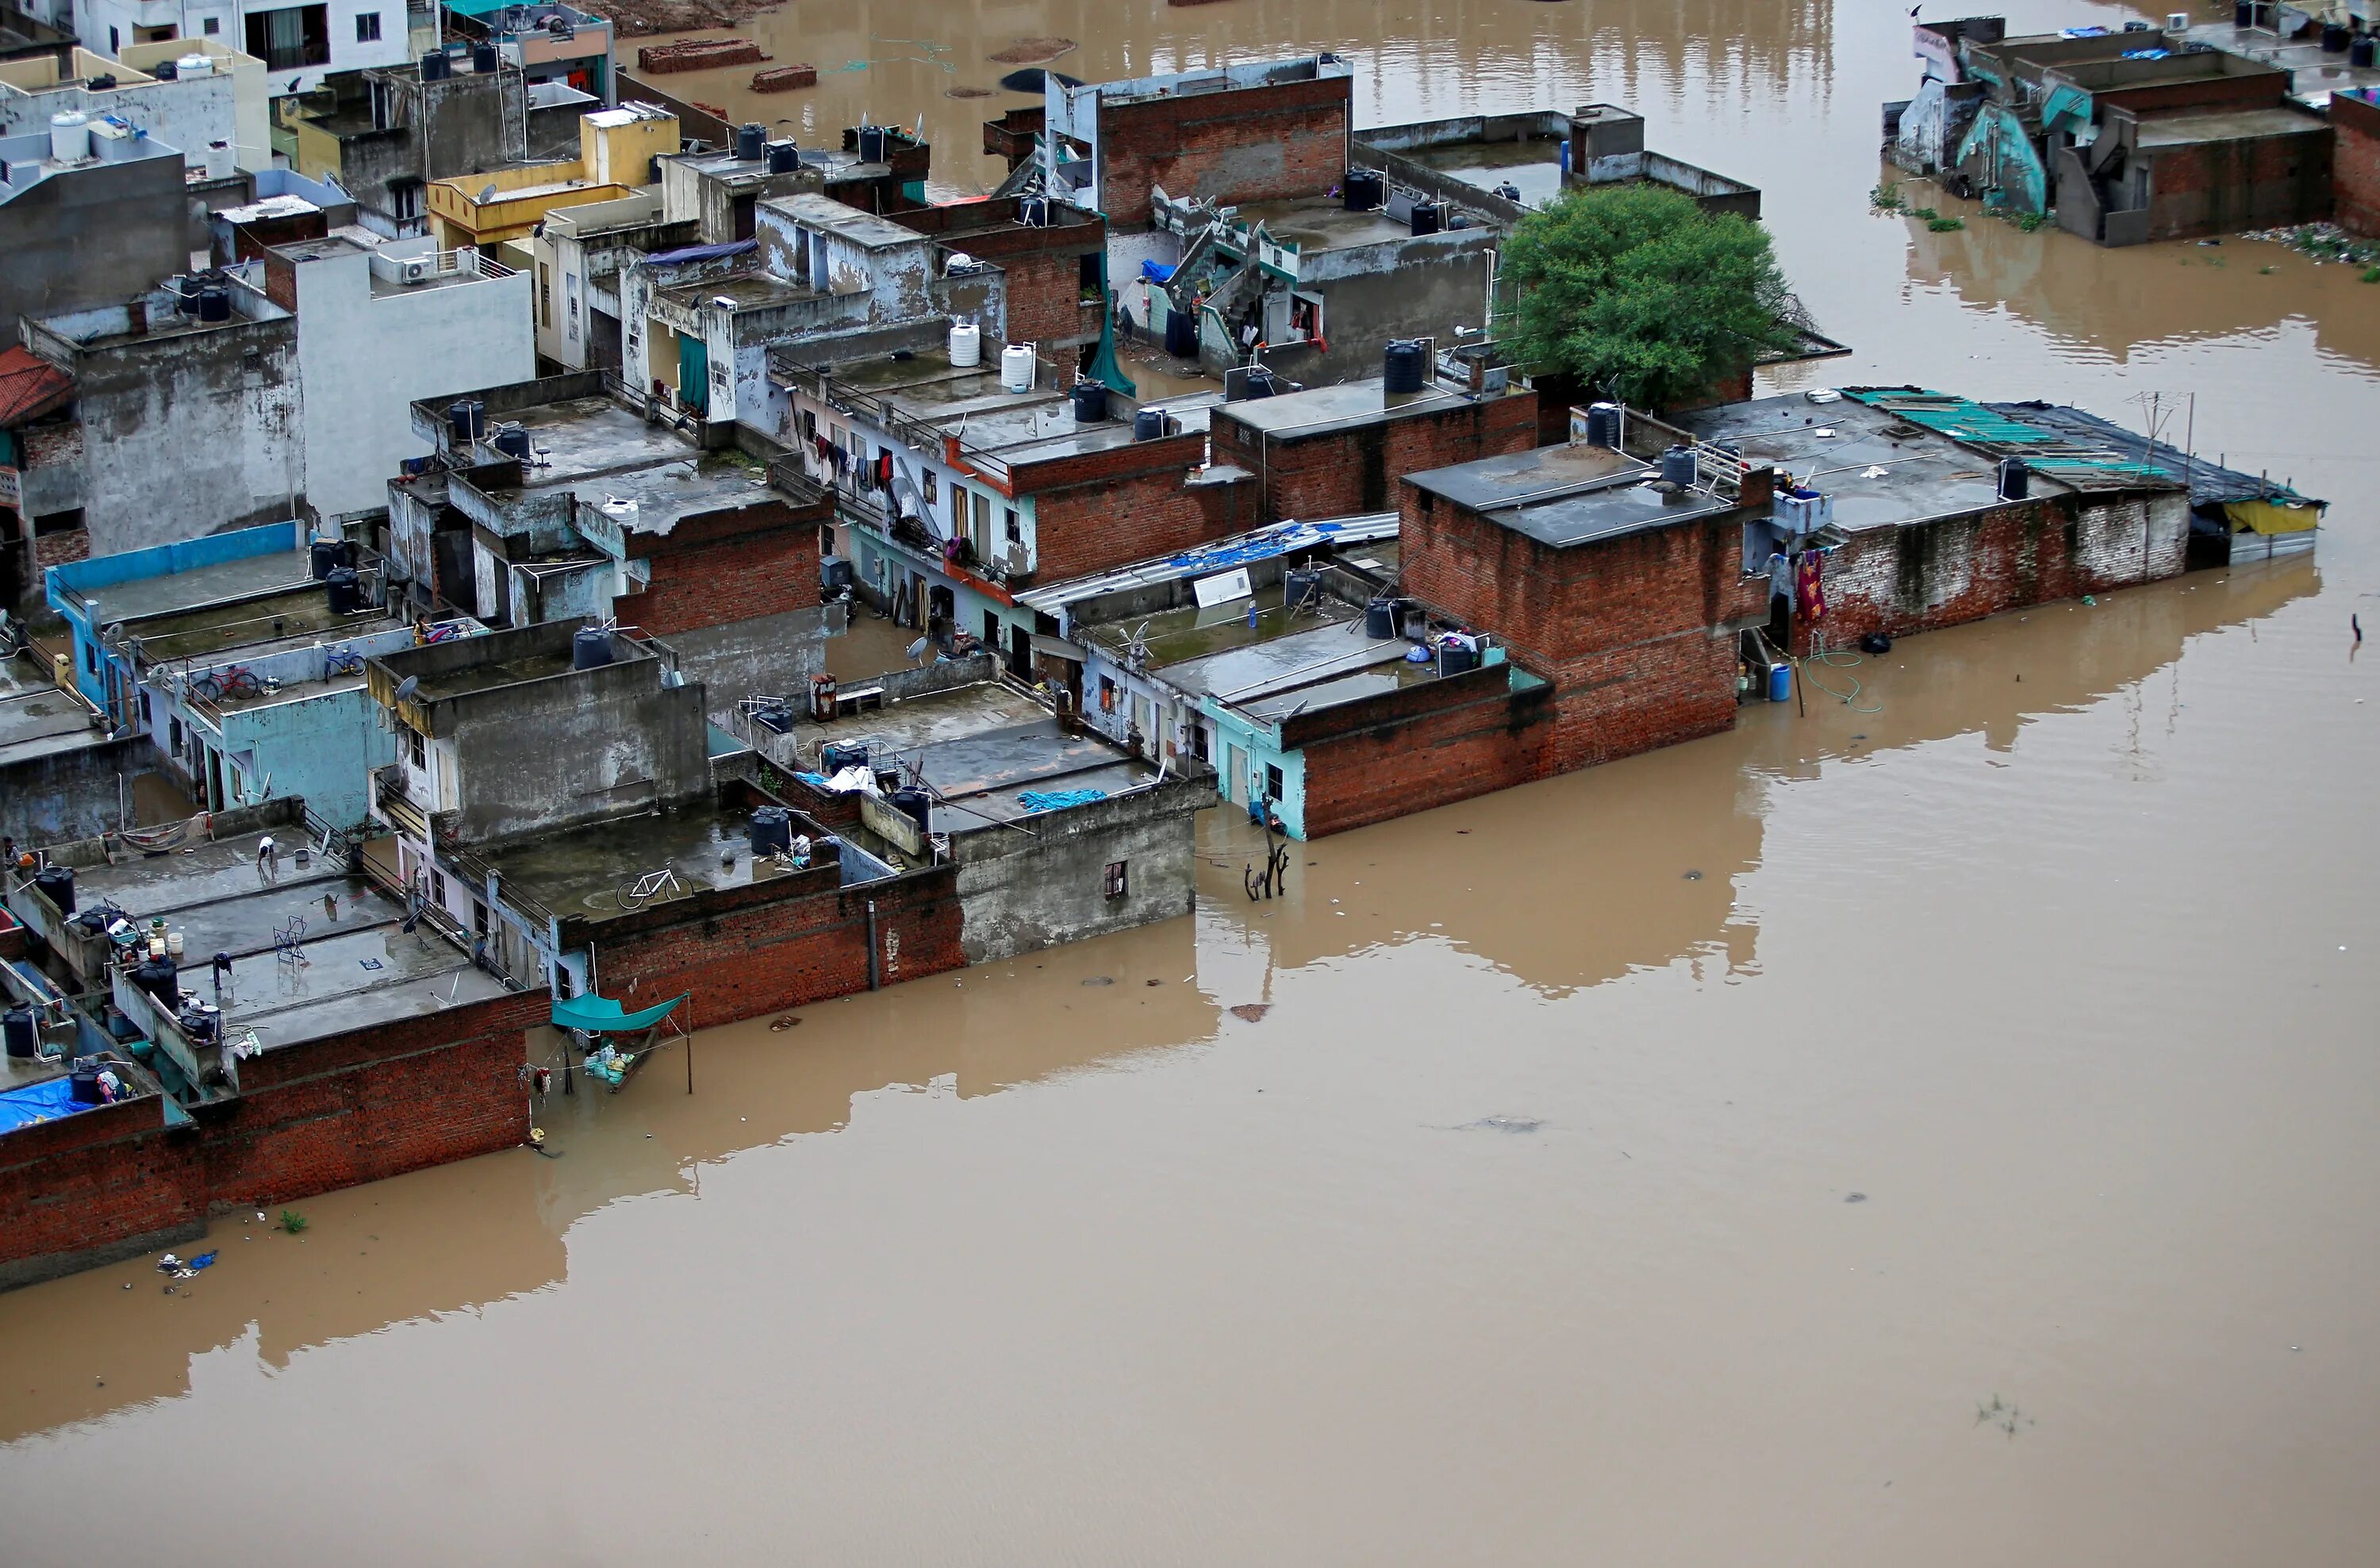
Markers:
point(512, 442)
point(1362, 189)
point(2335, 37)
point(1260, 382)
point(2365, 52)
point(17, 1027)
point(82, 1082)
point(1603, 425)
point(1405, 366)
point(752, 142)
point(323, 557)
point(2016, 479)
point(1677, 466)
point(1148, 424)
point(784, 157)
point(1300, 584)
point(771, 830)
point(462, 423)
point(834, 758)
point(166, 70)
point(915, 804)
point(1090, 402)
point(437, 66)
point(214, 303)
point(1454, 659)
point(1034, 212)
point(344, 590)
point(56, 883)
point(1181, 334)
point(1428, 217)
point(161, 979)
point(1380, 619)
point(591, 648)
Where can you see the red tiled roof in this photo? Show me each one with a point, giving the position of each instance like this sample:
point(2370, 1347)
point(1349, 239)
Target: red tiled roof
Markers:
point(30, 387)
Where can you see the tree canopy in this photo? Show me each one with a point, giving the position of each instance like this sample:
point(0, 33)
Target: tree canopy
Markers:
point(1635, 289)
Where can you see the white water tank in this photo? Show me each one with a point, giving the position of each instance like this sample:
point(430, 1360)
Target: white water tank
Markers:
point(190, 65)
point(967, 344)
point(70, 137)
point(219, 160)
point(1017, 368)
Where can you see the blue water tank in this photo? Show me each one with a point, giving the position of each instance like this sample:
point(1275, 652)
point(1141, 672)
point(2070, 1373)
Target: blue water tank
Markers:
point(322, 555)
point(771, 832)
point(784, 157)
point(1148, 424)
point(1405, 368)
point(1678, 466)
point(915, 804)
point(1603, 425)
point(834, 758)
point(1299, 585)
point(512, 442)
point(1781, 683)
point(752, 142)
point(437, 66)
point(1454, 659)
point(2016, 479)
point(591, 649)
point(1380, 619)
point(485, 60)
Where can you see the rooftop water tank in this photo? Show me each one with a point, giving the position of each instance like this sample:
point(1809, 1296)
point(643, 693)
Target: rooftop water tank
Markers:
point(772, 831)
point(1259, 383)
point(485, 60)
point(466, 418)
point(1603, 424)
point(1678, 466)
point(1300, 584)
point(323, 556)
point(1090, 402)
point(24, 1040)
point(1380, 619)
point(220, 164)
point(512, 442)
point(871, 144)
point(2335, 38)
point(784, 157)
point(2365, 52)
point(345, 591)
point(752, 142)
point(70, 137)
point(437, 66)
point(214, 303)
point(57, 884)
point(161, 978)
point(1362, 189)
point(1428, 217)
point(1405, 366)
point(916, 804)
point(967, 344)
point(2016, 479)
point(1148, 424)
point(1017, 368)
point(166, 70)
point(195, 65)
point(591, 648)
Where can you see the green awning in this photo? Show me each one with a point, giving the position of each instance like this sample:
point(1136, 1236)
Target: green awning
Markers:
point(602, 1016)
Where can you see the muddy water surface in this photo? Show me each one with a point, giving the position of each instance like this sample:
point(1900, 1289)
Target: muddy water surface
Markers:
point(1932, 1129)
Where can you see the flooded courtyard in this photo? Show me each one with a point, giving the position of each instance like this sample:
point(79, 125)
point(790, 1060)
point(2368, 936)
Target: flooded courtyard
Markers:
point(1932, 1128)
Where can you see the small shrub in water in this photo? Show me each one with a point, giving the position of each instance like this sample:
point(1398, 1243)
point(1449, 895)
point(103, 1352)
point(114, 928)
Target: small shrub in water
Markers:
point(1944, 226)
point(1927, 213)
point(2371, 274)
point(291, 1222)
point(1886, 198)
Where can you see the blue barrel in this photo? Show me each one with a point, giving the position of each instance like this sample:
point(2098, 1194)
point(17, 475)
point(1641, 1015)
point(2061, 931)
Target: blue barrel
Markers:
point(916, 804)
point(1781, 683)
point(784, 157)
point(512, 442)
point(834, 758)
point(1603, 425)
point(1300, 584)
point(1148, 424)
point(591, 649)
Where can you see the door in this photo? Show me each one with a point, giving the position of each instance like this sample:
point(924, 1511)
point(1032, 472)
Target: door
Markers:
point(214, 779)
point(991, 632)
point(1020, 654)
point(694, 372)
point(1235, 786)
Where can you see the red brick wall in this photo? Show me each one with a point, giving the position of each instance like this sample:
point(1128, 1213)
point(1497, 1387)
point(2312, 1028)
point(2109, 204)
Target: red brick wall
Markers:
point(2222, 188)
point(1044, 301)
point(62, 549)
point(730, 566)
point(1259, 144)
point(372, 1103)
point(1108, 509)
point(1350, 471)
point(352, 1108)
point(2355, 163)
point(98, 1185)
point(1448, 740)
point(2264, 90)
point(769, 955)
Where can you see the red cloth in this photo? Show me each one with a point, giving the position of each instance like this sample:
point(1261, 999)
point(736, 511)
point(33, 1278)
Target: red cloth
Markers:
point(1810, 585)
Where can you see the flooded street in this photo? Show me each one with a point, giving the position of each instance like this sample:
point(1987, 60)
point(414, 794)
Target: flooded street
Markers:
point(1936, 1129)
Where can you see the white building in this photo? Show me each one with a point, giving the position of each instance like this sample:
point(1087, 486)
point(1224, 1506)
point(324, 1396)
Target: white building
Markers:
point(201, 97)
point(299, 44)
point(380, 327)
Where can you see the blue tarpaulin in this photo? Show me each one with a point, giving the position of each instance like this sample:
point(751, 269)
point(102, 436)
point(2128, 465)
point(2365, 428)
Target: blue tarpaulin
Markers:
point(38, 1102)
point(602, 1016)
point(702, 252)
point(1157, 271)
point(1057, 799)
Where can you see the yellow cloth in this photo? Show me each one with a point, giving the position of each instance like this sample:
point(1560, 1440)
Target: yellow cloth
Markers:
point(2270, 516)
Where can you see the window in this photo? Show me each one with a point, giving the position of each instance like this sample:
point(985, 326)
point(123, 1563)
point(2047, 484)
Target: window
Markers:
point(173, 736)
point(929, 485)
point(419, 753)
point(544, 290)
point(90, 657)
point(1016, 529)
point(144, 705)
point(212, 26)
point(1118, 879)
point(1272, 781)
point(293, 36)
point(368, 28)
point(478, 917)
point(115, 41)
point(438, 889)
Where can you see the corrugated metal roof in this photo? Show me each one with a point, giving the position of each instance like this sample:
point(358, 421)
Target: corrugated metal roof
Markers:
point(1261, 545)
point(2210, 484)
point(30, 387)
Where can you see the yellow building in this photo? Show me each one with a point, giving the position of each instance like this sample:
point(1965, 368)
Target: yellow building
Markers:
point(617, 148)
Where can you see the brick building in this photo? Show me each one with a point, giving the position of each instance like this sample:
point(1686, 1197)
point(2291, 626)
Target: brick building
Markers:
point(1337, 451)
point(1049, 256)
point(332, 1041)
point(2355, 159)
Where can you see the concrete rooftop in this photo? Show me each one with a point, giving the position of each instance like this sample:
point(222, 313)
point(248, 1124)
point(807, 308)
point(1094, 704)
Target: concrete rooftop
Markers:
point(1288, 662)
point(1620, 506)
point(578, 874)
point(2235, 125)
point(1539, 474)
point(1531, 164)
point(296, 617)
point(599, 452)
point(1320, 411)
point(40, 721)
point(1315, 223)
point(169, 591)
point(1924, 474)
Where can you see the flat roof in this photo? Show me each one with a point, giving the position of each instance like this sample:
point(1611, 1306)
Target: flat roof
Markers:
point(40, 721)
point(2234, 125)
point(578, 873)
point(1286, 660)
point(826, 214)
point(535, 664)
point(2313, 74)
point(1923, 474)
point(295, 617)
point(1532, 165)
point(1320, 410)
point(1191, 631)
point(1323, 223)
point(140, 598)
point(361, 969)
point(745, 291)
point(1621, 506)
point(597, 452)
point(968, 401)
point(1539, 473)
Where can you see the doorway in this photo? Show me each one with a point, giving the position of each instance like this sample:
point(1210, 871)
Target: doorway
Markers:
point(1020, 654)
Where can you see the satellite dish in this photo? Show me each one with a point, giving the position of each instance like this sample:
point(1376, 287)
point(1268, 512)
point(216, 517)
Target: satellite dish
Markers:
point(406, 688)
point(488, 194)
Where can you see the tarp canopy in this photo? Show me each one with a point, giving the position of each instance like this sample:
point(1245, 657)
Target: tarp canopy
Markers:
point(602, 1016)
point(45, 1101)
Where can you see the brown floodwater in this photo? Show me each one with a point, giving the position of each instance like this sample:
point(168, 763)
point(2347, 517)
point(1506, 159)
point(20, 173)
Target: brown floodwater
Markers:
point(1521, 1226)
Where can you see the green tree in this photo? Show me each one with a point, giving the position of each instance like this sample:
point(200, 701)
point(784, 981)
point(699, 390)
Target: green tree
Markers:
point(1635, 289)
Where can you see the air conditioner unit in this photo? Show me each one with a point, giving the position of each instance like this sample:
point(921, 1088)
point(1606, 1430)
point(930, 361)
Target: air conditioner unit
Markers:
point(2177, 22)
point(417, 270)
